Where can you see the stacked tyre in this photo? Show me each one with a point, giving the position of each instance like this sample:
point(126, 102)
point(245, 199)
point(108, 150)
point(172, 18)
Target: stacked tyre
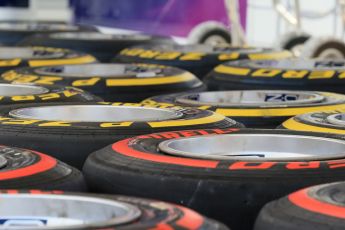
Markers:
point(43, 111)
point(13, 57)
point(181, 145)
point(198, 59)
point(103, 46)
point(317, 207)
point(290, 74)
point(13, 32)
point(28, 209)
point(226, 174)
point(112, 82)
point(255, 108)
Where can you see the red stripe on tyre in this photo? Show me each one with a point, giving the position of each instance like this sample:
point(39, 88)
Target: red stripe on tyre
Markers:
point(190, 220)
point(44, 164)
point(303, 200)
point(122, 147)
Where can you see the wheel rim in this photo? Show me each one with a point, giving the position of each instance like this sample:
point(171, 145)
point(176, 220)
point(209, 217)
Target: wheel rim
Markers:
point(326, 194)
point(254, 147)
point(330, 53)
point(100, 70)
point(95, 113)
point(18, 26)
point(252, 98)
point(3, 161)
point(26, 53)
point(214, 40)
point(293, 64)
point(98, 36)
point(336, 119)
point(54, 211)
point(20, 90)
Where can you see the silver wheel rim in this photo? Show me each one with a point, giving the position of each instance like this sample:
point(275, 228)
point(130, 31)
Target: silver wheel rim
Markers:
point(95, 113)
point(99, 70)
point(293, 64)
point(214, 40)
point(63, 211)
point(98, 36)
point(3, 161)
point(252, 98)
point(254, 147)
point(336, 119)
point(18, 26)
point(20, 90)
point(331, 53)
point(26, 53)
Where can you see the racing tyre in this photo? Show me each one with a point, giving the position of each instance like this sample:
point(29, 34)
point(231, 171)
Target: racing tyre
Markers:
point(112, 82)
point(325, 121)
point(28, 169)
point(13, 57)
point(289, 74)
point(255, 108)
point(318, 207)
point(71, 132)
point(28, 209)
point(198, 59)
point(17, 93)
point(102, 46)
point(226, 174)
point(12, 32)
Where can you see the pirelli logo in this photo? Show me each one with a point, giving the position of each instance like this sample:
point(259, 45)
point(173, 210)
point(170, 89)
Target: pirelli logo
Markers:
point(287, 74)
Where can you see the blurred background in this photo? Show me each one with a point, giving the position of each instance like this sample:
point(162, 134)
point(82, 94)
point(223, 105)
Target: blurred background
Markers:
point(263, 21)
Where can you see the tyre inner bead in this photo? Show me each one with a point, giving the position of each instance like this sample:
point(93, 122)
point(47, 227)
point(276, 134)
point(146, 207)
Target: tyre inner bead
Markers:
point(95, 113)
point(52, 211)
point(97, 36)
point(26, 53)
point(21, 90)
point(100, 70)
point(252, 98)
point(255, 147)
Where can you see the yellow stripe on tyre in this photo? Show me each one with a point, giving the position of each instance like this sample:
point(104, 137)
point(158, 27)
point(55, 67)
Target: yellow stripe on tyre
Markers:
point(77, 60)
point(198, 121)
point(276, 112)
point(186, 76)
point(292, 124)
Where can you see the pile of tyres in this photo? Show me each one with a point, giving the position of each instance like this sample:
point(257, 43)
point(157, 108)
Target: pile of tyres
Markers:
point(101, 131)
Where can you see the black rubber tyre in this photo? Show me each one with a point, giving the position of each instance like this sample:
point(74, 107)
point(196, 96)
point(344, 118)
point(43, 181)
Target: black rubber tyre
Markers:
point(294, 41)
point(223, 35)
point(71, 140)
point(108, 212)
point(325, 122)
point(28, 169)
point(290, 74)
point(227, 190)
point(318, 207)
point(13, 57)
point(12, 32)
point(255, 109)
point(17, 93)
point(112, 82)
point(103, 46)
point(198, 59)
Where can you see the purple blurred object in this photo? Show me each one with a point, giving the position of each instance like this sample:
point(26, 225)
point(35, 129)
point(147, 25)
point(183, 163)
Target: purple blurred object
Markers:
point(163, 17)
